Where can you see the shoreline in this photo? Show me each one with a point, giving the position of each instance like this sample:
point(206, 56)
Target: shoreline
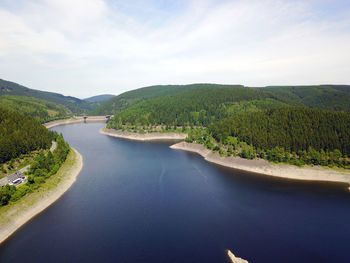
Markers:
point(306, 173)
point(18, 214)
point(90, 119)
point(156, 136)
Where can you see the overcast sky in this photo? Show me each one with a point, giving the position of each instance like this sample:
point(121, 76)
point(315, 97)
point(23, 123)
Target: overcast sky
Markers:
point(89, 47)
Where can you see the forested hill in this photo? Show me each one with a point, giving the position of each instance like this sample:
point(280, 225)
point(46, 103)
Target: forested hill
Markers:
point(76, 105)
point(40, 110)
point(130, 98)
point(21, 134)
point(200, 106)
point(329, 97)
point(325, 97)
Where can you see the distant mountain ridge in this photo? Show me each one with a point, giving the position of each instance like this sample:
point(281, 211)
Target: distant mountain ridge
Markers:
point(132, 97)
point(40, 110)
point(100, 98)
point(77, 106)
point(329, 97)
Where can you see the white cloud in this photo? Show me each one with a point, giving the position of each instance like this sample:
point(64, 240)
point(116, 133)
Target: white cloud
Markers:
point(87, 47)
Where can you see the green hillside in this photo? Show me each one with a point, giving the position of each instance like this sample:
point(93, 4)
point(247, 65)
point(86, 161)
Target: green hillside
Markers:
point(200, 106)
point(329, 97)
point(76, 105)
point(40, 110)
point(129, 98)
point(325, 97)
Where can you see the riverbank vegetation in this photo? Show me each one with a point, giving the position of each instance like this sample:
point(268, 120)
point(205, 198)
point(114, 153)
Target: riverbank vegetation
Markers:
point(15, 214)
point(294, 135)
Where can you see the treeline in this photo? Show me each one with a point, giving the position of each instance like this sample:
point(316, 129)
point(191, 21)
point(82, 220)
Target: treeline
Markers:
point(198, 107)
point(44, 166)
point(21, 134)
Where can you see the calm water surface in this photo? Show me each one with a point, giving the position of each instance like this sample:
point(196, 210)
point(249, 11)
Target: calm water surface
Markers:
point(144, 202)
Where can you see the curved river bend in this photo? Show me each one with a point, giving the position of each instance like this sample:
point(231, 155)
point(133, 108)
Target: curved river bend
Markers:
point(143, 202)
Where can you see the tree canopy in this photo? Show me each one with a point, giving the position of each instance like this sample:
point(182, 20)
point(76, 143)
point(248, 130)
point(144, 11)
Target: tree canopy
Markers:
point(21, 134)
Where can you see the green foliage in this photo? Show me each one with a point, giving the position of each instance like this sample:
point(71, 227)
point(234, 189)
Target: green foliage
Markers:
point(249, 122)
point(43, 167)
point(318, 137)
point(41, 110)
point(130, 98)
point(328, 97)
point(293, 128)
point(196, 107)
point(5, 194)
point(20, 134)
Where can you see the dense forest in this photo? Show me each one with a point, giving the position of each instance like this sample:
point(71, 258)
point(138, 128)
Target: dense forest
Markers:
point(312, 135)
point(133, 97)
point(293, 128)
point(40, 110)
point(328, 97)
point(21, 134)
point(198, 107)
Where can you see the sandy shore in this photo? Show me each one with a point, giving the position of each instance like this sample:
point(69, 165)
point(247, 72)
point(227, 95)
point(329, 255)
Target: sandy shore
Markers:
point(75, 120)
point(235, 259)
point(264, 167)
point(143, 137)
point(13, 216)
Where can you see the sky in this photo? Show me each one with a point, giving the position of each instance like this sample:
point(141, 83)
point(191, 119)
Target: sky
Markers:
point(88, 47)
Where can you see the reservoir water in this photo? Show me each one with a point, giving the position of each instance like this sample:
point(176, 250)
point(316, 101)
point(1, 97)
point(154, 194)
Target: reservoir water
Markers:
point(144, 202)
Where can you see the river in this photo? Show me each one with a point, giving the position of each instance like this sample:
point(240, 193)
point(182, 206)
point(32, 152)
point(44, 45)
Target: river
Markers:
point(144, 202)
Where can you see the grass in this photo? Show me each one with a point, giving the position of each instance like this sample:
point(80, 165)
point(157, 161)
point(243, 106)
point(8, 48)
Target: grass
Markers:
point(13, 209)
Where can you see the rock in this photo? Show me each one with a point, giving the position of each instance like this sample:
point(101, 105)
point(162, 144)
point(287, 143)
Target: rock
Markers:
point(235, 259)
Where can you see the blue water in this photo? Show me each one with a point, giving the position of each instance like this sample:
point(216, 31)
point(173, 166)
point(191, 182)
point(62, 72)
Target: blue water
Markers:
point(144, 202)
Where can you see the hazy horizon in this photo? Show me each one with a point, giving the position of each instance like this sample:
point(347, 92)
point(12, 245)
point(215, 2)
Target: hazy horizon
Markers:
point(90, 47)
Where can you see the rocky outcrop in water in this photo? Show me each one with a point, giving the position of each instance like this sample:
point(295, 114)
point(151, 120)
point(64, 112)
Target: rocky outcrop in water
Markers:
point(235, 259)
